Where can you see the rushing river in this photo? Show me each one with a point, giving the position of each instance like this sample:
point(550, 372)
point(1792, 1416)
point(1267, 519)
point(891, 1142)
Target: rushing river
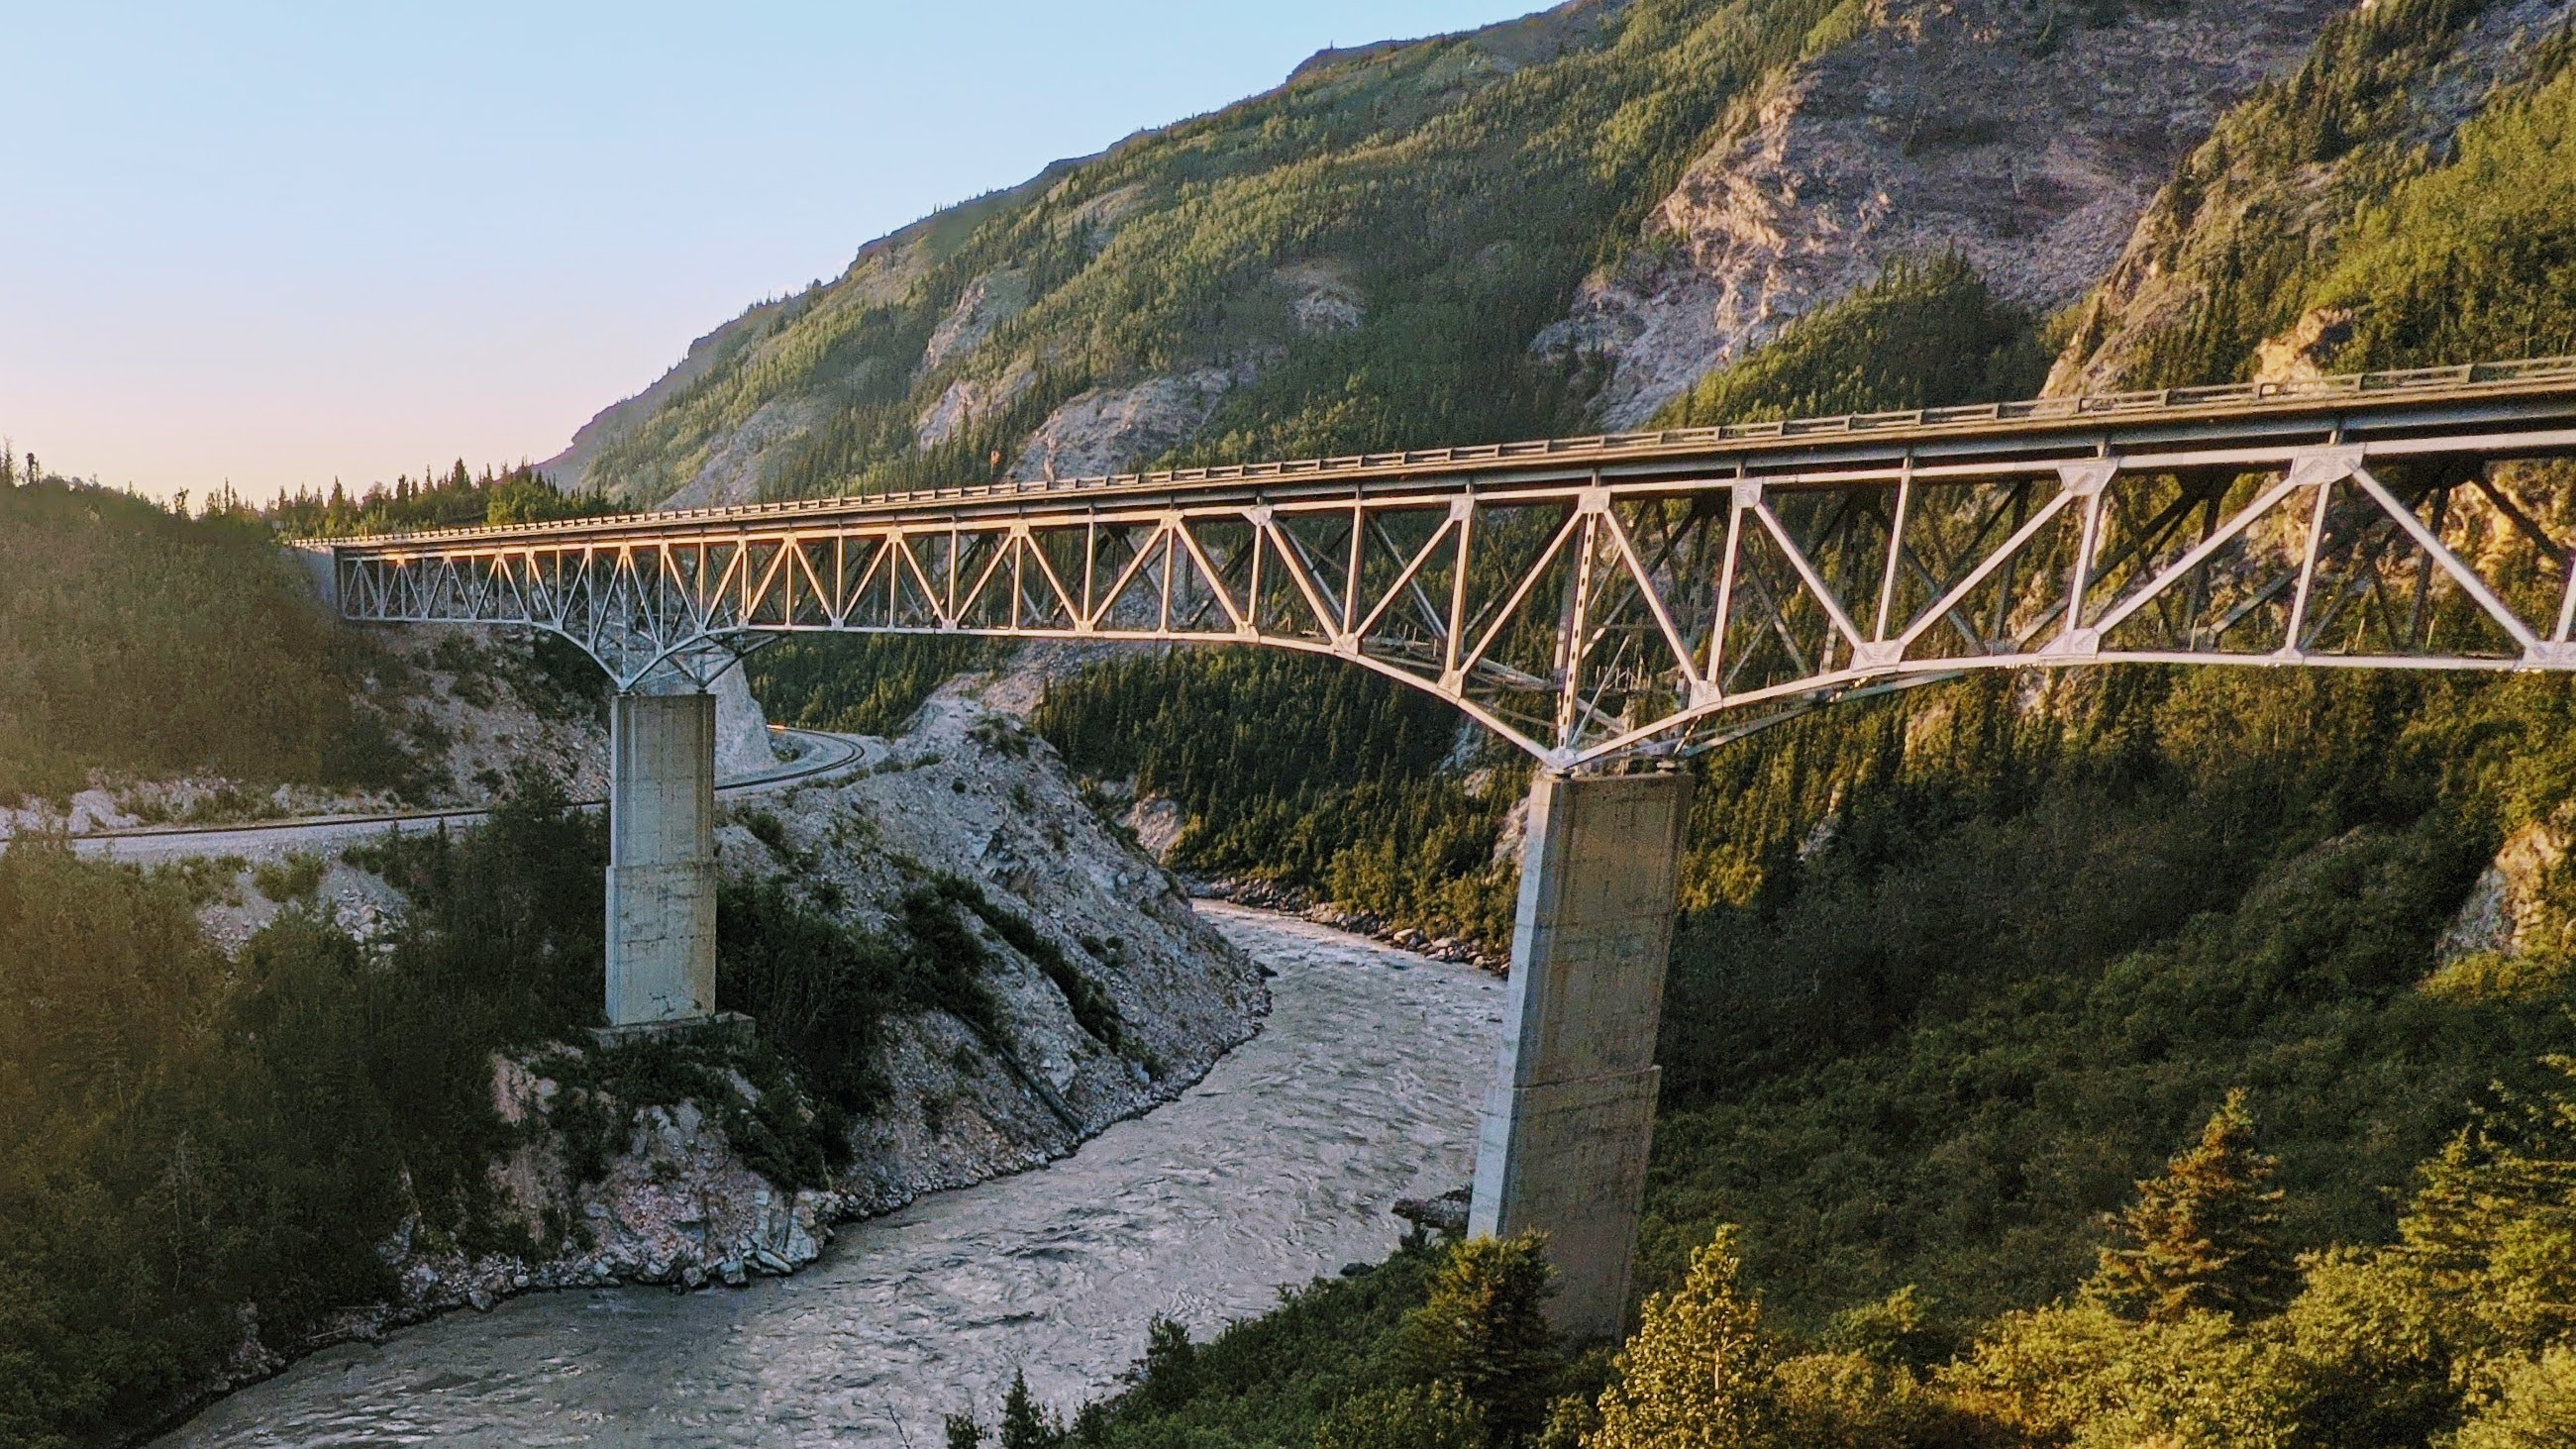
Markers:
point(1282, 1165)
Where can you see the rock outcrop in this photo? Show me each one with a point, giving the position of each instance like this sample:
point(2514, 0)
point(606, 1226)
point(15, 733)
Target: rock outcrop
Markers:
point(967, 794)
point(1112, 430)
point(2024, 139)
point(2510, 909)
point(2198, 224)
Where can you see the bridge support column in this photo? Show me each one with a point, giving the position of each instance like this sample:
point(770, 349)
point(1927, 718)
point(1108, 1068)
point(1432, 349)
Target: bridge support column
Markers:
point(1572, 1109)
point(661, 858)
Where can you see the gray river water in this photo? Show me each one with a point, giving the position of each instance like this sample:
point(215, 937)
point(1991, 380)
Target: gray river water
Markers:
point(1280, 1166)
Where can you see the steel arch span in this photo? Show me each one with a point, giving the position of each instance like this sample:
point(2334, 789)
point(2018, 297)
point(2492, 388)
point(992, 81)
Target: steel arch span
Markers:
point(1649, 593)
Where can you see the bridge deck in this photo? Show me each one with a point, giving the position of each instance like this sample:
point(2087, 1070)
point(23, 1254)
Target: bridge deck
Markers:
point(1593, 597)
point(2256, 420)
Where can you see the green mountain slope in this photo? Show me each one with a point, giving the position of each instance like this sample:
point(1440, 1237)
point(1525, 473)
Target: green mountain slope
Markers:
point(2402, 201)
point(1358, 259)
point(144, 643)
point(1966, 965)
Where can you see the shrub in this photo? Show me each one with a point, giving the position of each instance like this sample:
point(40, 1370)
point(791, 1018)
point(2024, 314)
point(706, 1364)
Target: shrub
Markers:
point(1411, 1416)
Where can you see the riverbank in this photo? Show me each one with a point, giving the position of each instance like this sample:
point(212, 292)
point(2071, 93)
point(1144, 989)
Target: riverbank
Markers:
point(1272, 897)
point(956, 972)
point(1283, 1163)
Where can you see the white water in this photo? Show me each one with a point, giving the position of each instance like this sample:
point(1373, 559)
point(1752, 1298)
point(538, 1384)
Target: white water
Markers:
point(1362, 1088)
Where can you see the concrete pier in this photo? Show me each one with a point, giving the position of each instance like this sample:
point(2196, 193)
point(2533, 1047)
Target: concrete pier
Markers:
point(1572, 1109)
point(661, 859)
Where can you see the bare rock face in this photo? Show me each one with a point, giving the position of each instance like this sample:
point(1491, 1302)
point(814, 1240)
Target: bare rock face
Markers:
point(967, 794)
point(2509, 907)
point(742, 732)
point(1159, 824)
point(1322, 299)
point(969, 398)
point(988, 302)
point(2023, 139)
point(2154, 287)
point(732, 472)
point(1109, 430)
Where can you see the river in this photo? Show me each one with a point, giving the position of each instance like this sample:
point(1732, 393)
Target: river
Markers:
point(1281, 1165)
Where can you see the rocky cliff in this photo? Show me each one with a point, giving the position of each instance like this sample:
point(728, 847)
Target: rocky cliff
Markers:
point(684, 1188)
point(2027, 138)
point(2215, 277)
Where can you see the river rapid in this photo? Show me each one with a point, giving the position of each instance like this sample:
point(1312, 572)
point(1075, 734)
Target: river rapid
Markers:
point(1362, 1087)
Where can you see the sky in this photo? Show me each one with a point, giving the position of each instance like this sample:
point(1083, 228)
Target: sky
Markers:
point(278, 244)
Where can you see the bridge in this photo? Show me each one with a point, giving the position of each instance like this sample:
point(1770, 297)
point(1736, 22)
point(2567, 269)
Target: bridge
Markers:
point(1608, 605)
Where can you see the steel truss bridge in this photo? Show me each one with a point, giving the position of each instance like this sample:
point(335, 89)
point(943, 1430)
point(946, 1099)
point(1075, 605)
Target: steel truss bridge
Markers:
point(1594, 599)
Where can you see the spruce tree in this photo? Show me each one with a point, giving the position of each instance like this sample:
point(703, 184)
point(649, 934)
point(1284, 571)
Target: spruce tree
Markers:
point(1024, 1424)
point(2204, 1235)
point(1168, 1375)
point(1484, 1328)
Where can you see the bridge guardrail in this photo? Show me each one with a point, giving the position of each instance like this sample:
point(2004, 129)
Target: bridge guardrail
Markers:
point(2466, 377)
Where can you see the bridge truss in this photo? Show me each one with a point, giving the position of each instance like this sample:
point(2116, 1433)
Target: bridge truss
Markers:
point(1599, 598)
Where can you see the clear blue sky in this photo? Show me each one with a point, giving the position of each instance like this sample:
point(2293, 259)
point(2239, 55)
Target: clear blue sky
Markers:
point(279, 243)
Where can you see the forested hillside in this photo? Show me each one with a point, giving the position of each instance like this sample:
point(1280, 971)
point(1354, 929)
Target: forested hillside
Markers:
point(197, 1150)
point(138, 640)
point(1960, 969)
point(1358, 259)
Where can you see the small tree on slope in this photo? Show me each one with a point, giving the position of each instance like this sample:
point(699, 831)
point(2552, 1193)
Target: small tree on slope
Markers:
point(2204, 1235)
point(1484, 1328)
point(1697, 1373)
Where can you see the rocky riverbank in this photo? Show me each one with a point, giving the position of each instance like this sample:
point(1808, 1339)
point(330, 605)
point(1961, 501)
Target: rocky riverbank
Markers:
point(1306, 906)
point(1285, 1162)
point(1088, 924)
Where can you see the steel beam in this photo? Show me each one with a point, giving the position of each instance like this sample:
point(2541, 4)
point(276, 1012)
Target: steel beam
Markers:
point(1594, 598)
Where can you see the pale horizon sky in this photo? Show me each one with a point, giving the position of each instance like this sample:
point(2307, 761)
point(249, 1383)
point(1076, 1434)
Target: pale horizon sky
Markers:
point(277, 244)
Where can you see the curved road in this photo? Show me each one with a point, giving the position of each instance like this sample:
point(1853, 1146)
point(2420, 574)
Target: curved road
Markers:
point(822, 755)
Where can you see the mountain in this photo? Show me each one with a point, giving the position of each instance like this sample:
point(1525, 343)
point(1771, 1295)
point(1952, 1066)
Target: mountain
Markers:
point(2026, 138)
point(1546, 225)
point(2400, 202)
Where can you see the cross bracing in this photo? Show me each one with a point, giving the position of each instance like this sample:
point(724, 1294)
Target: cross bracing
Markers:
point(1644, 593)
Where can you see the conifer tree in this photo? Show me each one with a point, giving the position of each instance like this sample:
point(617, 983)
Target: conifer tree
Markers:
point(2204, 1235)
point(1168, 1374)
point(1698, 1370)
point(1024, 1424)
point(1484, 1328)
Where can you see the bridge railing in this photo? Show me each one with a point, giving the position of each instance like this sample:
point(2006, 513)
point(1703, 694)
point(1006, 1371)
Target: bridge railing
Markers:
point(2467, 377)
